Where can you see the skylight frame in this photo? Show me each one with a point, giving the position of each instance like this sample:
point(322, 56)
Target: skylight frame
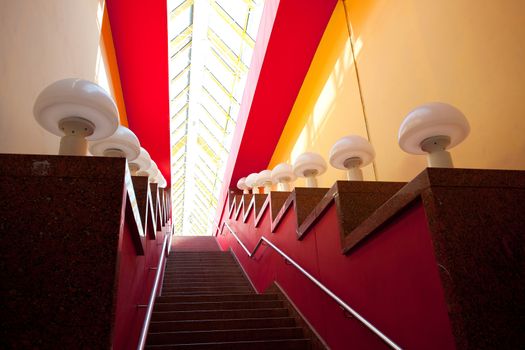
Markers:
point(206, 68)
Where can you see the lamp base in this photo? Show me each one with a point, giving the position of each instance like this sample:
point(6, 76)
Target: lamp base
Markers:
point(436, 147)
point(74, 142)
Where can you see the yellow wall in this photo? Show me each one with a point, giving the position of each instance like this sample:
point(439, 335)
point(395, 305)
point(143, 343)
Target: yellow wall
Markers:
point(470, 54)
point(40, 42)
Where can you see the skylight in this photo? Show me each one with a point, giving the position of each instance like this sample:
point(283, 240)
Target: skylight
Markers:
point(210, 48)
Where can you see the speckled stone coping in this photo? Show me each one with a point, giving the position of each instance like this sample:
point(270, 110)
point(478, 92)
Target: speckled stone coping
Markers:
point(232, 193)
point(264, 204)
point(259, 200)
point(476, 219)
point(354, 200)
point(59, 229)
point(243, 205)
point(256, 204)
point(304, 201)
point(277, 200)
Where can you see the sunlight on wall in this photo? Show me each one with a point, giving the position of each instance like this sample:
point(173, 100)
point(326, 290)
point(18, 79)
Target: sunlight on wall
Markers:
point(408, 53)
point(327, 106)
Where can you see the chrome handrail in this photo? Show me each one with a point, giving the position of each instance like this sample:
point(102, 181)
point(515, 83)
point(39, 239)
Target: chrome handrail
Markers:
point(149, 311)
point(325, 289)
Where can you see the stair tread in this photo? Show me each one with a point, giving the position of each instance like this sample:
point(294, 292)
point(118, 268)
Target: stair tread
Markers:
point(221, 310)
point(219, 314)
point(223, 320)
point(224, 297)
point(243, 342)
point(231, 330)
point(224, 335)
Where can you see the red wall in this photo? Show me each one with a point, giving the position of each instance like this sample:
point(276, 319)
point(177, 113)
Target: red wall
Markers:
point(135, 282)
point(391, 279)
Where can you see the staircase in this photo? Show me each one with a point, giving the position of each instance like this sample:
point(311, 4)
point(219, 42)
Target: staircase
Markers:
point(207, 303)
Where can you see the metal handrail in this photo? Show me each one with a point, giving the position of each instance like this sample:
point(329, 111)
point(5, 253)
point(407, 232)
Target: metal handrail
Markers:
point(325, 289)
point(147, 319)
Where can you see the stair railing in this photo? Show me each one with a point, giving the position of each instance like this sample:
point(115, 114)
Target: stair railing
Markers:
point(325, 289)
point(149, 311)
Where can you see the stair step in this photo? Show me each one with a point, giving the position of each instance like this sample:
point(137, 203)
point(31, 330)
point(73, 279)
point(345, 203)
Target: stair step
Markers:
point(236, 280)
point(187, 279)
point(193, 274)
point(202, 269)
point(218, 283)
point(203, 272)
point(201, 266)
point(240, 323)
point(281, 344)
point(217, 288)
point(200, 261)
point(182, 282)
point(217, 314)
point(224, 260)
point(219, 305)
point(176, 255)
point(224, 335)
point(214, 297)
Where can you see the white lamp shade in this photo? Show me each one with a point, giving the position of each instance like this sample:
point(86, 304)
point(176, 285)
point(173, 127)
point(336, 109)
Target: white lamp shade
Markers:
point(241, 184)
point(123, 139)
point(309, 161)
point(283, 172)
point(352, 146)
point(432, 119)
point(251, 180)
point(153, 171)
point(76, 98)
point(161, 180)
point(143, 161)
point(263, 177)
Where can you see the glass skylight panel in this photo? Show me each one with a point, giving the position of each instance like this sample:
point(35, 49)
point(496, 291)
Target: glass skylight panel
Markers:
point(238, 90)
point(217, 94)
point(246, 55)
point(221, 71)
point(254, 20)
point(180, 64)
point(225, 31)
point(180, 41)
point(182, 18)
point(238, 10)
point(210, 48)
point(227, 54)
point(216, 132)
point(178, 103)
point(213, 107)
point(217, 121)
point(177, 86)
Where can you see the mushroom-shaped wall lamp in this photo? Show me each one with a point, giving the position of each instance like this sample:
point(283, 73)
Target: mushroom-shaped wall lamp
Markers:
point(351, 153)
point(153, 172)
point(251, 182)
point(433, 128)
point(282, 174)
point(142, 163)
point(161, 180)
point(241, 185)
point(264, 179)
point(309, 165)
point(77, 110)
point(123, 143)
